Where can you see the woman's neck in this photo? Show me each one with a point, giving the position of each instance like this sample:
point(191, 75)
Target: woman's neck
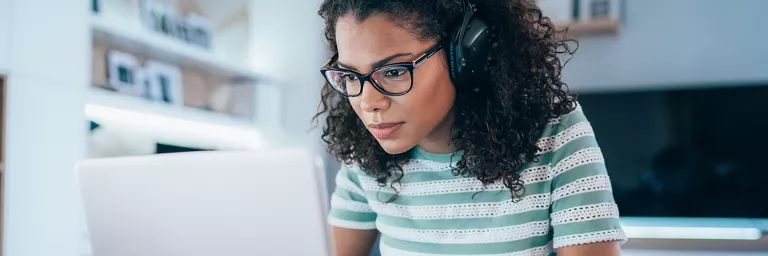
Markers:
point(439, 140)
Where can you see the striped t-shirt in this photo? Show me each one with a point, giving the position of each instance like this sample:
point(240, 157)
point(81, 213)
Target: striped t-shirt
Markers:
point(568, 201)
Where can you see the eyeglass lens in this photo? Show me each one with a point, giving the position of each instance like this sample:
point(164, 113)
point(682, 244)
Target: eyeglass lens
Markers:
point(394, 80)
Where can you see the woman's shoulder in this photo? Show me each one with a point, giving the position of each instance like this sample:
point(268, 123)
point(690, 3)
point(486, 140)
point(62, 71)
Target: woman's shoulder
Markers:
point(573, 119)
point(576, 115)
point(569, 130)
point(351, 168)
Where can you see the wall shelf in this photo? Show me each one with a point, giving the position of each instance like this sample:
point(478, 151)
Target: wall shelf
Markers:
point(141, 39)
point(591, 27)
point(104, 97)
point(168, 123)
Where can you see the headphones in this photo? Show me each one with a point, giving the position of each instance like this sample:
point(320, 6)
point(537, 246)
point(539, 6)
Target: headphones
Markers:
point(468, 48)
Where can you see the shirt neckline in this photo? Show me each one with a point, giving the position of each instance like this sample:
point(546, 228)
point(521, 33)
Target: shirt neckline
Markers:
point(419, 153)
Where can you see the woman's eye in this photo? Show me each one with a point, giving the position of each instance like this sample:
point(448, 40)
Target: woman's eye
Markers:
point(394, 72)
point(349, 77)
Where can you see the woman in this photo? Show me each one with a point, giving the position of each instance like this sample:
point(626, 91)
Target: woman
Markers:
point(457, 134)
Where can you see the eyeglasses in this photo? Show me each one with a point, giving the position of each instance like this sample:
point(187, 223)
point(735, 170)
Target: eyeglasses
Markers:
point(395, 79)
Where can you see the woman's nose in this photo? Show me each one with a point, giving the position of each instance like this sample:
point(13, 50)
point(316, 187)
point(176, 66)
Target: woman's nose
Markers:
point(371, 100)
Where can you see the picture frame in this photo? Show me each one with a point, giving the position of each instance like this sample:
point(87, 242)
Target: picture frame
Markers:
point(198, 30)
point(159, 16)
point(164, 18)
point(124, 73)
point(164, 83)
point(599, 9)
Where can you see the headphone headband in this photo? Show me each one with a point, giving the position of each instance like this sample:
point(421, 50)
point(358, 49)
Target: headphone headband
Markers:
point(469, 12)
point(468, 46)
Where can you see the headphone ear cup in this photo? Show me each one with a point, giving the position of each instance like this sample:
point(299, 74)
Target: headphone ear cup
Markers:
point(451, 45)
point(467, 63)
point(476, 47)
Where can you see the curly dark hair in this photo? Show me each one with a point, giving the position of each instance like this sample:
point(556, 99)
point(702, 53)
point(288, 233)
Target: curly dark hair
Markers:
point(495, 130)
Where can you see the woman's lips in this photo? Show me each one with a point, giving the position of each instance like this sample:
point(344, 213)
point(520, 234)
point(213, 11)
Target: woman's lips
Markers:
point(384, 130)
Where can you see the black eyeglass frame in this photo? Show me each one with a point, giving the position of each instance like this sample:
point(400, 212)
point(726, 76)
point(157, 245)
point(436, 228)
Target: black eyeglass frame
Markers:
point(367, 77)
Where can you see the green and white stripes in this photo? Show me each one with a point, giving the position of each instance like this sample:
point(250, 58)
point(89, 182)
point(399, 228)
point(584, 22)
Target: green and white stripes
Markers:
point(568, 201)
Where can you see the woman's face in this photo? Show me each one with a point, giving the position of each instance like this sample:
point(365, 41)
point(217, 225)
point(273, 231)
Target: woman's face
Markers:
point(398, 122)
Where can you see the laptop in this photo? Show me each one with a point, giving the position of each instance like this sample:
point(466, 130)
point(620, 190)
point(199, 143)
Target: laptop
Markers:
point(267, 202)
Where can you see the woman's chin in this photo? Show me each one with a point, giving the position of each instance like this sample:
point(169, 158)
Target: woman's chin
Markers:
point(393, 147)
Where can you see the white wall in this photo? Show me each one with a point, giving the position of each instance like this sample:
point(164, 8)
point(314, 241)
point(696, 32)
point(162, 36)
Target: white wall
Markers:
point(290, 46)
point(5, 30)
point(49, 69)
point(682, 42)
point(287, 43)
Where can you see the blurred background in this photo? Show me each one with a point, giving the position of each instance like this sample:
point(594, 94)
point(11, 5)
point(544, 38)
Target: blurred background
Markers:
point(674, 89)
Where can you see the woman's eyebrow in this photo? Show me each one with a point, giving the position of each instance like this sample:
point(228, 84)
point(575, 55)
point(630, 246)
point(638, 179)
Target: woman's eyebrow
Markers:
point(376, 64)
